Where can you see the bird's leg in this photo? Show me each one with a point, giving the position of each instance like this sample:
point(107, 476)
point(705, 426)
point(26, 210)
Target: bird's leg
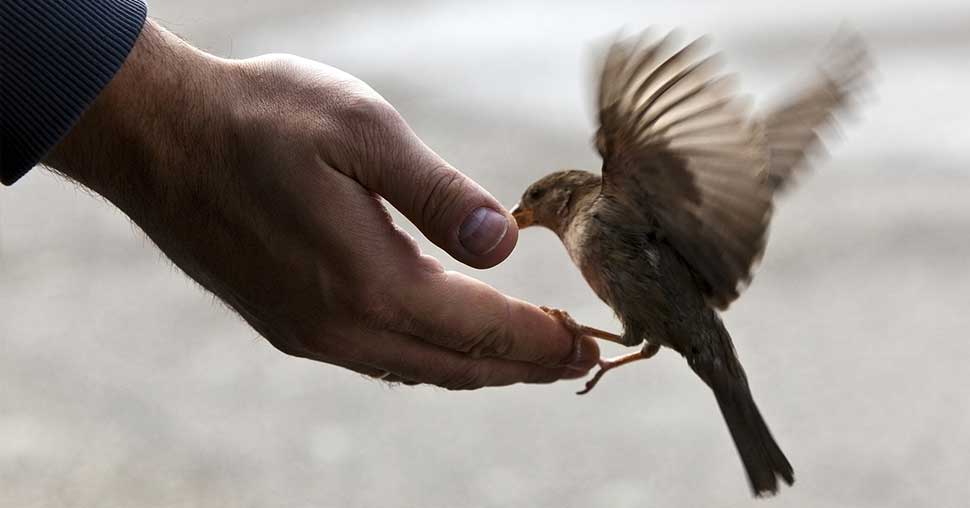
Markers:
point(611, 363)
point(578, 329)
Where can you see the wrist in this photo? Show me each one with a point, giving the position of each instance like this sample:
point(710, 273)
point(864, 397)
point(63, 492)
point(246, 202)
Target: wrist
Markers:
point(162, 107)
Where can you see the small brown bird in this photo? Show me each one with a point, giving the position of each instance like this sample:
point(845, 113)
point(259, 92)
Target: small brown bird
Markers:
point(670, 232)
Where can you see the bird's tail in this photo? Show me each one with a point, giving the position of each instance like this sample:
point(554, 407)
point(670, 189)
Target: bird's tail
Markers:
point(763, 459)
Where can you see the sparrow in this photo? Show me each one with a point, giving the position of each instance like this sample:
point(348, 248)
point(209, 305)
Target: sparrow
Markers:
point(670, 231)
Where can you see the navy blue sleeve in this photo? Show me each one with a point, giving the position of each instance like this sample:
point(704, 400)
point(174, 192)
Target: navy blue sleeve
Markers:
point(55, 57)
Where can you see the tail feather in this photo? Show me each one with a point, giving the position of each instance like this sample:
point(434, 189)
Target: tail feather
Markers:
point(763, 459)
point(719, 367)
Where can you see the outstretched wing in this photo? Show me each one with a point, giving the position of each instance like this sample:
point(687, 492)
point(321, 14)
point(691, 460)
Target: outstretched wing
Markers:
point(792, 128)
point(678, 147)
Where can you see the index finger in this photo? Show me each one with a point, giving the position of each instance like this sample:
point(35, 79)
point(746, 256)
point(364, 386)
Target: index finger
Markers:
point(464, 314)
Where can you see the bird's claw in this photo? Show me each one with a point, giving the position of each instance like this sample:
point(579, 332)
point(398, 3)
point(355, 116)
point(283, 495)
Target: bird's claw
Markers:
point(564, 318)
point(611, 363)
point(574, 328)
point(595, 379)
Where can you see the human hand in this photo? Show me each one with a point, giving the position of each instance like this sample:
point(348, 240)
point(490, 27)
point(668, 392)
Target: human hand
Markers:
point(261, 179)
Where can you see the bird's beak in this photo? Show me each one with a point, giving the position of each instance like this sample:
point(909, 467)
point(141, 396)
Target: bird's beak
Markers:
point(523, 216)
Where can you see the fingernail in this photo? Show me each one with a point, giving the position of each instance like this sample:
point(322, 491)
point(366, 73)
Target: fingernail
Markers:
point(577, 362)
point(583, 357)
point(483, 230)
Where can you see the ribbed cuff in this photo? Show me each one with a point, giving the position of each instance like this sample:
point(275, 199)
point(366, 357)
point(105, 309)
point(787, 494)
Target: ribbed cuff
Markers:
point(56, 56)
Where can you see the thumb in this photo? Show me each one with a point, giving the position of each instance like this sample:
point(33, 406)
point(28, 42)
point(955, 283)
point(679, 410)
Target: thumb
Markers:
point(449, 208)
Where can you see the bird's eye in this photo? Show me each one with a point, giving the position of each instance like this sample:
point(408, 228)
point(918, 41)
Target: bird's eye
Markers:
point(535, 194)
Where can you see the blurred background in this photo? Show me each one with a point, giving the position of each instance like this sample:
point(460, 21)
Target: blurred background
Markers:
point(123, 384)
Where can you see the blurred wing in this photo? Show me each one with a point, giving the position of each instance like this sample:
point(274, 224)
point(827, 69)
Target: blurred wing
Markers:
point(677, 146)
point(792, 129)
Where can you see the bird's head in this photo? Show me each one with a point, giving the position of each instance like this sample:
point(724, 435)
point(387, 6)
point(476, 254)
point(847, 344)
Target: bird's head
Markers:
point(548, 202)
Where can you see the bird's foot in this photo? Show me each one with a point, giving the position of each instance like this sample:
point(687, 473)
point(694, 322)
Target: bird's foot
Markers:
point(611, 363)
point(563, 317)
point(570, 324)
point(577, 329)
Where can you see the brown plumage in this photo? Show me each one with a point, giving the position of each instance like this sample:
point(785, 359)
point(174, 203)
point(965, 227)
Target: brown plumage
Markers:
point(672, 230)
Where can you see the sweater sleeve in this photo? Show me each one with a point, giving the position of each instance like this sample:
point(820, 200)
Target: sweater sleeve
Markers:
point(55, 57)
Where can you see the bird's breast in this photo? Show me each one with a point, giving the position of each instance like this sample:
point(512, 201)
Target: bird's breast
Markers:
point(586, 245)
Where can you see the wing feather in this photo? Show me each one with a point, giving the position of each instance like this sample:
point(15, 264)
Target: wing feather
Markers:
point(680, 148)
point(792, 129)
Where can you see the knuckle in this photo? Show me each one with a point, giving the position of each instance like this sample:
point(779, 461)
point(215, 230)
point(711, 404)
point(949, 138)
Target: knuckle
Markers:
point(446, 187)
point(286, 340)
point(289, 348)
point(492, 341)
point(490, 336)
point(469, 376)
point(366, 131)
point(321, 346)
point(365, 112)
point(495, 338)
point(300, 347)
